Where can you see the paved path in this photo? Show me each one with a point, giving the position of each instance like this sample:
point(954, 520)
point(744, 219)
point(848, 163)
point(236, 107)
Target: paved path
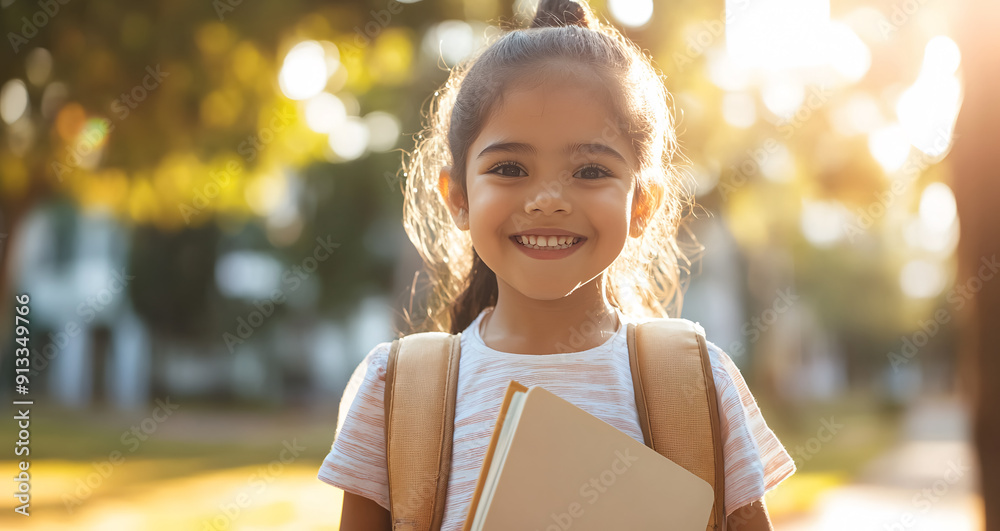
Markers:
point(927, 482)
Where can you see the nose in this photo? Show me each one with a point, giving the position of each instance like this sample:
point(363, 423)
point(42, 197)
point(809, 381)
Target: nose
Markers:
point(547, 198)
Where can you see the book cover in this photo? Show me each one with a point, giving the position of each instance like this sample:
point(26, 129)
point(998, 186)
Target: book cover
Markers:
point(552, 466)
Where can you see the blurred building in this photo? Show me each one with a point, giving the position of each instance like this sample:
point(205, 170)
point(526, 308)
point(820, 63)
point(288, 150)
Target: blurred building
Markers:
point(91, 348)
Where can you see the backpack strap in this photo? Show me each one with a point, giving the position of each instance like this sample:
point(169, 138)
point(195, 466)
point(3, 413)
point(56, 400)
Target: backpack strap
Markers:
point(419, 427)
point(676, 401)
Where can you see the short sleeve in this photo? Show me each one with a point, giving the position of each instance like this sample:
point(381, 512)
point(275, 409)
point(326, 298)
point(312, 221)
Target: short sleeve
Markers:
point(356, 462)
point(755, 460)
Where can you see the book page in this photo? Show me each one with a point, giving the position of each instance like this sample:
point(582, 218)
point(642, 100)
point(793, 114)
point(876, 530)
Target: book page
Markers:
point(499, 456)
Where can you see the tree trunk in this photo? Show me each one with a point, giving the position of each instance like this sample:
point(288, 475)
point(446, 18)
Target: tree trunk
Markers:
point(976, 164)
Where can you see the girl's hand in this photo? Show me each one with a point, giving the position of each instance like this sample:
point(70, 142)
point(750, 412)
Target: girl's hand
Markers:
point(361, 514)
point(750, 517)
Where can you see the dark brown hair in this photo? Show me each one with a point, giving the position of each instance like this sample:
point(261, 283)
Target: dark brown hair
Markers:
point(645, 280)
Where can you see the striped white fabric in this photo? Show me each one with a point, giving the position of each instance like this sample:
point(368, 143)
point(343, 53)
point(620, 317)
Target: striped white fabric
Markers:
point(597, 380)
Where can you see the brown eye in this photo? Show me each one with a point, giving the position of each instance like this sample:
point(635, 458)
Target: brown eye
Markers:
point(507, 169)
point(593, 172)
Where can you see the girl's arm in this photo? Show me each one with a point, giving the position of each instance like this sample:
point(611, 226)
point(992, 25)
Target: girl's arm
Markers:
point(361, 514)
point(750, 517)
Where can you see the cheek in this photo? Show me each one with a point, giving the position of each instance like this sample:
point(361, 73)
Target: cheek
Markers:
point(611, 214)
point(489, 211)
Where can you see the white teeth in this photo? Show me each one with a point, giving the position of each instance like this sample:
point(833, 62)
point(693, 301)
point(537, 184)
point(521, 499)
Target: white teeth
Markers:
point(550, 242)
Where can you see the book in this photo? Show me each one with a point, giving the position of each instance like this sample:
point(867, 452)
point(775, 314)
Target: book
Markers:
point(552, 466)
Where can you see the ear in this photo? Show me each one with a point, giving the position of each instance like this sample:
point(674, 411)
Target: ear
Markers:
point(644, 205)
point(454, 199)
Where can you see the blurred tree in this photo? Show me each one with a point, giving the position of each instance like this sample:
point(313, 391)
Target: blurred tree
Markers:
point(170, 116)
point(977, 185)
point(191, 87)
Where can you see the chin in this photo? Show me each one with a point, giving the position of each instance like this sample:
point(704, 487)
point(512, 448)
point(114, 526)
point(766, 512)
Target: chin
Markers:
point(544, 291)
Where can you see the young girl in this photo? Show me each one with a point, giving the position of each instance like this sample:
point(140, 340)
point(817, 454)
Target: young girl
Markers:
point(543, 200)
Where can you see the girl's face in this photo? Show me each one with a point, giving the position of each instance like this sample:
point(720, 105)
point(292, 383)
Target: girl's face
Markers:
point(549, 161)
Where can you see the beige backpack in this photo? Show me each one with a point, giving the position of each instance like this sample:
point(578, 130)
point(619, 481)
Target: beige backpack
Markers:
point(674, 395)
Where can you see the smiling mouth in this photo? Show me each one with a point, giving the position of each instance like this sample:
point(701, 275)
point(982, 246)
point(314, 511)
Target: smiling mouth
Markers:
point(547, 243)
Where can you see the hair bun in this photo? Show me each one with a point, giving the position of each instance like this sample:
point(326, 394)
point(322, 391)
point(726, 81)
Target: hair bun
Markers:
point(555, 13)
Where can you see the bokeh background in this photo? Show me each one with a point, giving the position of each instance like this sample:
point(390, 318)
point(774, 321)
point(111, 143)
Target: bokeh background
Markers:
point(202, 200)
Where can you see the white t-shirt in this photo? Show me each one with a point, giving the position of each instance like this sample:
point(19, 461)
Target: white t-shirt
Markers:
point(598, 380)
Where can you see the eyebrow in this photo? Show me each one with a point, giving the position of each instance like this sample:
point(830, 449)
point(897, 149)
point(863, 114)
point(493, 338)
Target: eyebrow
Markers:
point(519, 147)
